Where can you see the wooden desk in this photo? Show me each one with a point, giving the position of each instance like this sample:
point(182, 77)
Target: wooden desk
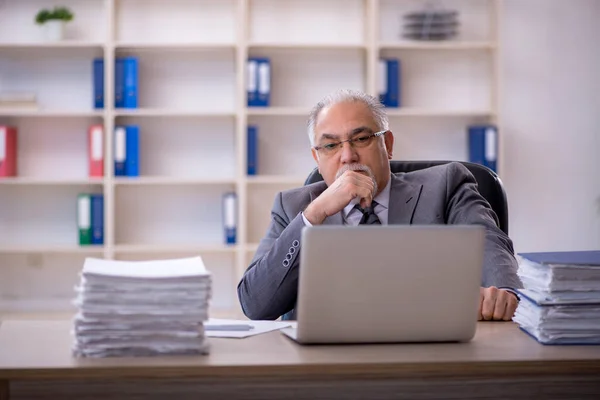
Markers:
point(501, 362)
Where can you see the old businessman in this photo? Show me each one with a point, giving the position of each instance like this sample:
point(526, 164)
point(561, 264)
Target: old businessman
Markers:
point(352, 145)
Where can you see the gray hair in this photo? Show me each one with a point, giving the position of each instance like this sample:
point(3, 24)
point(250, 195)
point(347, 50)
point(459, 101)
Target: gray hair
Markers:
point(348, 95)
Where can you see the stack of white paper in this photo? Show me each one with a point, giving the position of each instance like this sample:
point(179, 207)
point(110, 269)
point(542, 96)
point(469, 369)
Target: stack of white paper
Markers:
point(140, 308)
point(560, 302)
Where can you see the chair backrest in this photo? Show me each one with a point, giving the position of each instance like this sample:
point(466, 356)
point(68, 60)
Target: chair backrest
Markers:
point(488, 182)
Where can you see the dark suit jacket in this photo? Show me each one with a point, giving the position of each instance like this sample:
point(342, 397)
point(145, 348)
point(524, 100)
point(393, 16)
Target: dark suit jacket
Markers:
point(445, 194)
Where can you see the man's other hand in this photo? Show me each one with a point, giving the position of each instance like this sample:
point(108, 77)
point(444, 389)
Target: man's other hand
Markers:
point(496, 304)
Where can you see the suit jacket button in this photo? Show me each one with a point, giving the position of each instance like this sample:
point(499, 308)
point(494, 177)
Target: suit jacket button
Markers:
point(295, 243)
point(288, 256)
point(286, 263)
point(292, 250)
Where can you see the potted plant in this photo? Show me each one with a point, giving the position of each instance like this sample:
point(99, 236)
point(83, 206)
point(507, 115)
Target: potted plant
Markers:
point(53, 20)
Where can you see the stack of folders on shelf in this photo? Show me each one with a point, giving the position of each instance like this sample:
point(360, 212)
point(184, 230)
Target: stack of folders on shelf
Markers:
point(259, 82)
point(126, 82)
point(483, 145)
point(90, 219)
point(389, 82)
point(431, 24)
point(560, 302)
point(18, 101)
point(126, 150)
point(8, 151)
point(141, 308)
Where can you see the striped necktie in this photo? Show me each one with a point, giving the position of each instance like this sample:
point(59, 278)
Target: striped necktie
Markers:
point(369, 217)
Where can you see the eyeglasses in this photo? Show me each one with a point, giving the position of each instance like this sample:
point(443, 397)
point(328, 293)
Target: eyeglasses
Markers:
point(361, 141)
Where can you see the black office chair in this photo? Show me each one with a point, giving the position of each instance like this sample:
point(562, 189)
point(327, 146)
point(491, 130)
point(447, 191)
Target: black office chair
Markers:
point(489, 184)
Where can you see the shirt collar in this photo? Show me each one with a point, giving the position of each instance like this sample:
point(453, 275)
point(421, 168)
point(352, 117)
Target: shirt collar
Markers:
point(382, 199)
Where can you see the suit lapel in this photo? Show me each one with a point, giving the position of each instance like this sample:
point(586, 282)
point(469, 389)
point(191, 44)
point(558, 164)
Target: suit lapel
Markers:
point(335, 219)
point(403, 200)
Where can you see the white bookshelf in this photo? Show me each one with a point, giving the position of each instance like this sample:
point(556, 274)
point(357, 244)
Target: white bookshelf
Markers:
point(193, 117)
point(180, 248)
point(49, 113)
point(96, 250)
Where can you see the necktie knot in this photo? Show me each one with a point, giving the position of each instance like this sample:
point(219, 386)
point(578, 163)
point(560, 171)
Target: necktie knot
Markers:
point(369, 217)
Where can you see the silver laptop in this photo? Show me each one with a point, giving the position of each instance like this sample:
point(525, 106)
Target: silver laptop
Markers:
point(388, 284)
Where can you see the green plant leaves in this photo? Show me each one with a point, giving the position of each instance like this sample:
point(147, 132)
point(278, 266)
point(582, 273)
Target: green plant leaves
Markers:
point(58, 13)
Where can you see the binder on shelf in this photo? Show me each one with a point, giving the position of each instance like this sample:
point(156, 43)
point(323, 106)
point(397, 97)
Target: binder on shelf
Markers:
point(97, 218)
point(252, 82)
point(96, 150)
point(382, 82)
point(264, 82)
point(120, 147)
point(119, 83)
point(483, 145)
point(252, 146)
point(126, 82)
point(130, 82)
point(127, 150)
point(390, 82)
point(230, 217)
point(8, 151)
point(98, 83)
point(132, 150)
point(84, 219)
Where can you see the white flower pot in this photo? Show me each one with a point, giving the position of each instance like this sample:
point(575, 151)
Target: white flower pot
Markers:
point(54, 30)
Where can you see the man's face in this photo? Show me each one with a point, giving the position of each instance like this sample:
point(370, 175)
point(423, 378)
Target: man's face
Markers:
point(351, 120)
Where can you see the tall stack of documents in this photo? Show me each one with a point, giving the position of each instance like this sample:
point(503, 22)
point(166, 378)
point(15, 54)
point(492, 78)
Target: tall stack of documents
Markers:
point(560, 302)
point(141, 308)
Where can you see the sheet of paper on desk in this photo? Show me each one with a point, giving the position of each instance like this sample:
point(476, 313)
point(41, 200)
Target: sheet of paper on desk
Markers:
point(233, 328)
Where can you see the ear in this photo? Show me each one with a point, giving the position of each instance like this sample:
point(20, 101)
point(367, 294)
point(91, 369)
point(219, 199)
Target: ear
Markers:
point(389, 143)
point(315, 155)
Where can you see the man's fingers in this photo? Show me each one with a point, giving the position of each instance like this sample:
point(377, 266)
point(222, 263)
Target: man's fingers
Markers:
point(361, 186)
point(479, 316)
point(511, 307)
point(358, 178)
point(501, 303)
point(366, 197)
point(489, 302)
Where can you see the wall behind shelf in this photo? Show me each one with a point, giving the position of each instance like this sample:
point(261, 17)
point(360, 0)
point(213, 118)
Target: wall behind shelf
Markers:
point(550, 113)
point(435, 139)
point(301, 77)
point(60, 78)
point(142, 21)
point(162, 215)
point(186, 147)
point(186, 80)
point(53, 147)
point(40, 214)
point(278, 137)
point(444, 80)
point(296, 21)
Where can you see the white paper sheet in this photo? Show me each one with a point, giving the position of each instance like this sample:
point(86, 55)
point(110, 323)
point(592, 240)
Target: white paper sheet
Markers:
point(153, 269)
point(256, 327)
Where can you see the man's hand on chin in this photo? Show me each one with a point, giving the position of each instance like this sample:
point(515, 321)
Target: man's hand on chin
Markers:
point(496, 304)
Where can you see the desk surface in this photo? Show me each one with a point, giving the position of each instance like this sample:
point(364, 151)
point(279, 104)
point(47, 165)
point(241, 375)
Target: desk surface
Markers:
point(41, 350)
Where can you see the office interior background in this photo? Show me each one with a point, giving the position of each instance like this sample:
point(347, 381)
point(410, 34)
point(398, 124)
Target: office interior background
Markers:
point(529, 67)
